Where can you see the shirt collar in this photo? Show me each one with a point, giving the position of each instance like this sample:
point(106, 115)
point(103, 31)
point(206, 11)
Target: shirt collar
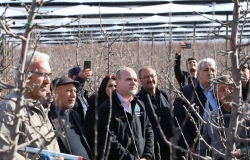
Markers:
point(125, 104)
point(122, 99)
point(210, 90)
point(61, 112)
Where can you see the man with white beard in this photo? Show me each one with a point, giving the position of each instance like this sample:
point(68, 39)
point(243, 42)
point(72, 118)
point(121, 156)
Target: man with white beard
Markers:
point(221, 119)
point(129, 134)
point(66, 121)
point(26, 119)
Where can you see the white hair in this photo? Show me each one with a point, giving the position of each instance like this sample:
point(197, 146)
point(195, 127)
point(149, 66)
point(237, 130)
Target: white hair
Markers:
point(203, 61)
point(31, 57)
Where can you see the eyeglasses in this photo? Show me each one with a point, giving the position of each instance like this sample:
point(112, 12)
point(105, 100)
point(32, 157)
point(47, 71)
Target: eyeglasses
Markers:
point(150, 76)
point(45, 75)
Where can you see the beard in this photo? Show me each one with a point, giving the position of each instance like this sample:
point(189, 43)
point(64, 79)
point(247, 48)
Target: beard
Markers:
point(70, 106)
point(41, 93)
point(133, 92)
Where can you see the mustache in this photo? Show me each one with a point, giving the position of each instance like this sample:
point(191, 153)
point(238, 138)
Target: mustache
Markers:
point(150, 82)
point(227, 97)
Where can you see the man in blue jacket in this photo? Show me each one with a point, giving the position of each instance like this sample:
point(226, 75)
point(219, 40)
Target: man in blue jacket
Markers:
point(124, 131)
point(157, 104)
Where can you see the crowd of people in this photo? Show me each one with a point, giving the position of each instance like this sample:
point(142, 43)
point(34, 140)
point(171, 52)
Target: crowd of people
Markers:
point(121, 121)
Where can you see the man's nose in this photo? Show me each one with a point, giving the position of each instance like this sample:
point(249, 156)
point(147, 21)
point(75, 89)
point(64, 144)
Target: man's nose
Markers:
point(150, 78)
point(73, 94)
point(47, 80)
point(228, 91)
point(133, 82)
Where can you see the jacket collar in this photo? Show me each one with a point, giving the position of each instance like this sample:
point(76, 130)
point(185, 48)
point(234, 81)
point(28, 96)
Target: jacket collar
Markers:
point(144, 92)
point(116, 100)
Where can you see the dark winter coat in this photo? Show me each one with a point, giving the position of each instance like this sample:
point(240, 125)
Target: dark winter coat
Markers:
point(183, 77)
point(200, 100)
point(64, 146)
point(161, 107)
point(90, 119)
point(130, 136)
point(81, 100)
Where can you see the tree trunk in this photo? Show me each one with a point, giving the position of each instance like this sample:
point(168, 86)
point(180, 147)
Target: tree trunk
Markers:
point(21, 82)
point(233, 126)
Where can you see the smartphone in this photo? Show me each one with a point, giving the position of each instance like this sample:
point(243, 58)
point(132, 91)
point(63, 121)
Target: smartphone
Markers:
point(188, 45)
point(87, 65)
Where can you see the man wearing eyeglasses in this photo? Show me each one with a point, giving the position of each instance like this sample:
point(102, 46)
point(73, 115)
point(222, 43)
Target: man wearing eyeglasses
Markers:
point(157, 102)
point(28, 124)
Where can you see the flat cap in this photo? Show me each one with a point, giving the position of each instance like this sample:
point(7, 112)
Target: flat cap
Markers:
point(64, 80)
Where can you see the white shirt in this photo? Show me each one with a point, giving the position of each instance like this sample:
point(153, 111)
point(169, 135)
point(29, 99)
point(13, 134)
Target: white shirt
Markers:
point(126, 104)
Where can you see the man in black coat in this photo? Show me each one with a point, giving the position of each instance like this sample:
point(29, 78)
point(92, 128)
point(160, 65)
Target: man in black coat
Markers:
point(124, 131)
point(66, 121)
point(183, 77)
point(81, 75)
point(201, 94)
point(161, 104)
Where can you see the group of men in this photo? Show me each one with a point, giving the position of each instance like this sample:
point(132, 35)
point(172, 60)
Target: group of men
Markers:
point(131, 125)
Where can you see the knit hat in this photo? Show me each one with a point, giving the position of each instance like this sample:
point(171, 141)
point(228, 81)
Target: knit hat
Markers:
point(74, 71)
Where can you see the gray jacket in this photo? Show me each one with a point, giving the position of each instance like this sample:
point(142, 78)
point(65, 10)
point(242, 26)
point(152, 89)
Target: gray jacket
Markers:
point(34, 126)
point(217, 139)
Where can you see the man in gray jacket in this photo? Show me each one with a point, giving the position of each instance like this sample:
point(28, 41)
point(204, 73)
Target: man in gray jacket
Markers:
point(23, 120)
point(221, 118)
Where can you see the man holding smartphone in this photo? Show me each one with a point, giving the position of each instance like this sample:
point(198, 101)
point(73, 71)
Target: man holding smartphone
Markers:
point(81, 75)
point(184, 77)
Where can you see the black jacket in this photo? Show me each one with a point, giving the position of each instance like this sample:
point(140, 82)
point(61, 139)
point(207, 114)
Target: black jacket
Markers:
point(90, 119)
point(161, 105)
point(245, 92)
point(64, 147)
point(183, 77)
point(81, 100)
point(126, 133)
point(200, 100)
